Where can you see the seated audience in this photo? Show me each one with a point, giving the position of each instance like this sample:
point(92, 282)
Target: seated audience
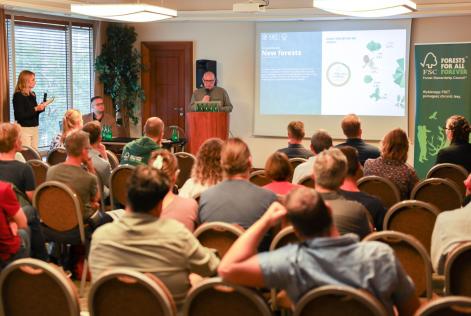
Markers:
point(330, 169)
point(451, 229)
point(392, 163)
point(78, 172)
point(320, 141)
point(138, 151)
point(14, 237)
point(295, 148)
point(184, 210)
point(99, 115)
point(351, 128)
point(206, 171)
point(279, 170)
point(98, 154)
point(142, 241)
point(235, 200)
point(350, 191)
point(71, 122)
point(21, 176)
point(324, 258)
point(459, 151)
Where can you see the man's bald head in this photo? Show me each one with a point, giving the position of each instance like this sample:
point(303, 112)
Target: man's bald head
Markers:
point(154, 128)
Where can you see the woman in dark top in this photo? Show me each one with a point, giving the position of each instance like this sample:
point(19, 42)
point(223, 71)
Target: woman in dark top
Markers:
point(459, 152)
point(26, 108)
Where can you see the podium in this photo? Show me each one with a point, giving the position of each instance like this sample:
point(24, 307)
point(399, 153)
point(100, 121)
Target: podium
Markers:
point(203, 125)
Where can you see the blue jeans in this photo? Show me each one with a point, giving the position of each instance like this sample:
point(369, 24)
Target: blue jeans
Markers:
point(23, 252)
point(38, 247)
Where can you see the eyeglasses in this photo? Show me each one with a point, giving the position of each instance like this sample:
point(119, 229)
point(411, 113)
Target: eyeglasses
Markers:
point(212, 80)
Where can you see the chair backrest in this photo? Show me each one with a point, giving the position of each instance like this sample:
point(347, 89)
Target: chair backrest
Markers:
point(307, 181)
point(218, 235)
point(458, 271)
point(56, 156)
point(446, 306)
point(416, 218)
point(185, 164)
point(30, 153)
point(123, 292)
point(118, 184)
point(33, 287)
point(216, 297)
point(382, 188)
point(296, 161)
point(39, 169)
point(413, 257)
point(112, 159)
point(442, 193)
point(455, 173)
point(333, 300)
point(259, 178)
point(284, 237)
point(59, 207)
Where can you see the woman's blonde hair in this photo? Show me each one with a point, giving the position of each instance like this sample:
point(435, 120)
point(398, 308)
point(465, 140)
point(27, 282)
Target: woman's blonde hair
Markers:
point(165, 161)
point(395, 145)
point(22, 83)
point(70, 121)
point(9, 134)
point(207, 169)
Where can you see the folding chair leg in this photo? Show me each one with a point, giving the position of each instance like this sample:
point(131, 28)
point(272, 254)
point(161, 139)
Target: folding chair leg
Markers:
point(83, 281)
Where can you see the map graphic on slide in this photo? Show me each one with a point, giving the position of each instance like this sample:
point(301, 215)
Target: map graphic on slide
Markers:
point(376, 60)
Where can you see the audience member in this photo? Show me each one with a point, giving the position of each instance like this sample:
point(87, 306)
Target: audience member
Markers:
point(138, 151)
point(99, 115)
point(351, 127)
point(184, 210)
point(142, 241)
point(11, 170)
point(459, 152)
point(71, 122)
point(467, 184)
point(295, 148)
point(78, 172)
point(279, 170)
point(14, 237)
point(98, 154)
point(451, 229)
point(320, 141)
point(235, 200)
point(392, 163)
point(350, 191)
point(323, 258)
point(330, 169)
point(207, 170)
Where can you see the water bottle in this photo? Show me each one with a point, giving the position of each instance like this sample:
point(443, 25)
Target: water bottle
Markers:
point(175, 137)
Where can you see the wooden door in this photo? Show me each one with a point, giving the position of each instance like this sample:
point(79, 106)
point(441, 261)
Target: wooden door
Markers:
point(167, 80)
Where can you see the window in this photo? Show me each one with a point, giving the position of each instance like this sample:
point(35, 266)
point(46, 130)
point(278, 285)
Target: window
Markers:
point(60, 53)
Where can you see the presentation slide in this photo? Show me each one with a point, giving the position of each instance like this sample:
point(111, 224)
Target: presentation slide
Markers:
point(319, 71)
point(333, 72)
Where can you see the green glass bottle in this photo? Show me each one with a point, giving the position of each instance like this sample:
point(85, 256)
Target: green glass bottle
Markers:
point(175, 137)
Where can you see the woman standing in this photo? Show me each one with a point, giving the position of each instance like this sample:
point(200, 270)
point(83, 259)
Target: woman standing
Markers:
point(26, 108)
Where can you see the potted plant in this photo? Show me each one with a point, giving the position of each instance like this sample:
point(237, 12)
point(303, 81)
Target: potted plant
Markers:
point(119, 67)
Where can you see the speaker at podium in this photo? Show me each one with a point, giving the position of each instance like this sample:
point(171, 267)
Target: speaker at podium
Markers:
point(203, 65)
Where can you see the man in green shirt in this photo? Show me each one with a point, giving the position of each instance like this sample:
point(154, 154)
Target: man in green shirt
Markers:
point(138, 151)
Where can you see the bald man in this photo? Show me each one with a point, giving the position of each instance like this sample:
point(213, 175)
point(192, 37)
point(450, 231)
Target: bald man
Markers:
point(138, 151)
point(210, 92)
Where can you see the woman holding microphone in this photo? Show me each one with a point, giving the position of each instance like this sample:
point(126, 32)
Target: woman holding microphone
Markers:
point(27, 109)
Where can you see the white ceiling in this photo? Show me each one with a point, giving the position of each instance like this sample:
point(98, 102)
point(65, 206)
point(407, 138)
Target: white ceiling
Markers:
point(221, 10)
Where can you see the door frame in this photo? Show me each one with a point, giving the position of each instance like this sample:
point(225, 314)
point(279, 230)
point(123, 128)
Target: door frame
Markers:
point(146, 49)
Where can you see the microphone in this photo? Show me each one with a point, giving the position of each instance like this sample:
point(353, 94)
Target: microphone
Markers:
point(45, 97)
point(208, 91)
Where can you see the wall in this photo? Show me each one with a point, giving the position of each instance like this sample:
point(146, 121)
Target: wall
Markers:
point(232, 44)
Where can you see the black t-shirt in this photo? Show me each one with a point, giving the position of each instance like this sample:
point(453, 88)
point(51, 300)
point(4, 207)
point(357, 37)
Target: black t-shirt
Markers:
point(18, 173)
point(371, 203)
point(23, 106)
